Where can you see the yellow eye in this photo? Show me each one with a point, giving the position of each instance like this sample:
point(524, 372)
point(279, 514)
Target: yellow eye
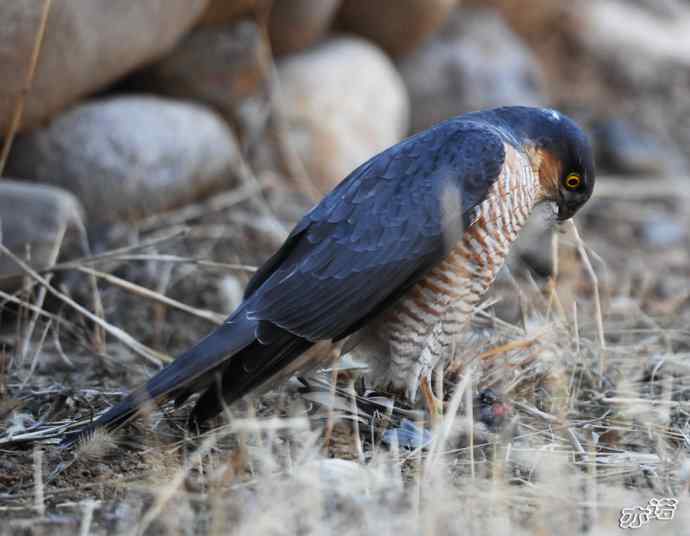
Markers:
point(573, 181)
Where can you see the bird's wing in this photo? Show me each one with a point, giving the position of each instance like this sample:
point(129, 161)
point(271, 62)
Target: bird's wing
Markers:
point(377, 232)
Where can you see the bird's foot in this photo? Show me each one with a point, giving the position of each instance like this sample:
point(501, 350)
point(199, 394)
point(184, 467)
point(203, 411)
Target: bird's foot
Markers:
point(434, 405)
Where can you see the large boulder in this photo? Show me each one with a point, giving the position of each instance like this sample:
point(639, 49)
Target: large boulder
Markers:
point(87, 44)
point(398, 26)
point(474, 61)
point(33, 217)
point(126, 157)
point(224, 66)
point(343, 101)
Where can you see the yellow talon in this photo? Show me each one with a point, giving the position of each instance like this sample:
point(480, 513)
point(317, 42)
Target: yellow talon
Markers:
point(433, 405)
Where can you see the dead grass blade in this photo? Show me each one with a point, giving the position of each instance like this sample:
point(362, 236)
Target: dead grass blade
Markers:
point(26, 342)
point(582, 250)
point(210, 316)
point(113, 254)
point(152, 356)
point(176, 259)
point(19, 106)
point(216, 203)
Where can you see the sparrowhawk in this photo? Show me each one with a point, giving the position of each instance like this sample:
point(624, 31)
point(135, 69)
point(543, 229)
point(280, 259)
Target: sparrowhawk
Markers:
point(394, 258)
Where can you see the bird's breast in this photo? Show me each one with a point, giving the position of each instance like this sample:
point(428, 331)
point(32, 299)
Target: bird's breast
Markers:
point(473, 262)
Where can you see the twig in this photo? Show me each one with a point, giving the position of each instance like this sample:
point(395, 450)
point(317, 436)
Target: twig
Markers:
point(536, 412)
point(37, 351)
point(52, 258)
point(214, 318)
point(144, 351)
point(58, 319)
point(167, 493)
point(108, 255)
point(216, 203)
point(597, 300)
point(355, 423)
point(328, 433)
point(19, 106)
point(443, 430)
point(39, 501)
point(175, 259)
point(292, 163)
point(553, 293)
point(88, 508)
point(98, 333)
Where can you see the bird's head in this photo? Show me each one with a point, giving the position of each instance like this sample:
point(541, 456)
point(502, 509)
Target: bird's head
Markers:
point(560, 153)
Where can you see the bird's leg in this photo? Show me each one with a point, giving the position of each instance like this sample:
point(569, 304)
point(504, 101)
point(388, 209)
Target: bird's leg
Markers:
point(433, 405)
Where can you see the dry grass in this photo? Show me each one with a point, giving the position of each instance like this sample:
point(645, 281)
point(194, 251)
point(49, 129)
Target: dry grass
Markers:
point(588, 436)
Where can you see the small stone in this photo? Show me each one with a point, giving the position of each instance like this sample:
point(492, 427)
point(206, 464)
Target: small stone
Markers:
point(128, 157)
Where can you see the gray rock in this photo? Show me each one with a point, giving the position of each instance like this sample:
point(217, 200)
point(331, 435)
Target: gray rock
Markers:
point(622, 148)
point(398, 26)
point(661, 230)
point(637, 40)
point(474, 61)
point(222, 66)
point(128, 157)
point(87, 44)
point(32, 217)
point(343, 101)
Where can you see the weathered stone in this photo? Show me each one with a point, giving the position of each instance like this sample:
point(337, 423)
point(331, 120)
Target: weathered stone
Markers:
point(637, 41)
point(224, 11)
point(343, 102)
point(32, 219)
point(297, 24)
point(474, 61)
point(223, 66)
point(621, 148)
point(87, 44)
point(292, 24)
point(661, 231)
point(399, 26)
point(130, 156)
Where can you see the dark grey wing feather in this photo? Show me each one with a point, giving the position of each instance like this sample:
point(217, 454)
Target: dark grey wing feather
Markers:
point(377, 232)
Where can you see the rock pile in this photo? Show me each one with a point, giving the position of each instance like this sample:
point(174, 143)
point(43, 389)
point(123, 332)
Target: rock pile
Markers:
point(138, 107)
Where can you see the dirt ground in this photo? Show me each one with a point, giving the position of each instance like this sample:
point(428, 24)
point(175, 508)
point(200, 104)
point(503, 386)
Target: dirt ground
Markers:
point(595, 426)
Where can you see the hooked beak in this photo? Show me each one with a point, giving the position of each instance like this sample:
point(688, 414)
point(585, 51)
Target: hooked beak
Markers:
point(566, 210)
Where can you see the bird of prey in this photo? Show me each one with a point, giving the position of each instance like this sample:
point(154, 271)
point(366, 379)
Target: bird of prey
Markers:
point(394, 258)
